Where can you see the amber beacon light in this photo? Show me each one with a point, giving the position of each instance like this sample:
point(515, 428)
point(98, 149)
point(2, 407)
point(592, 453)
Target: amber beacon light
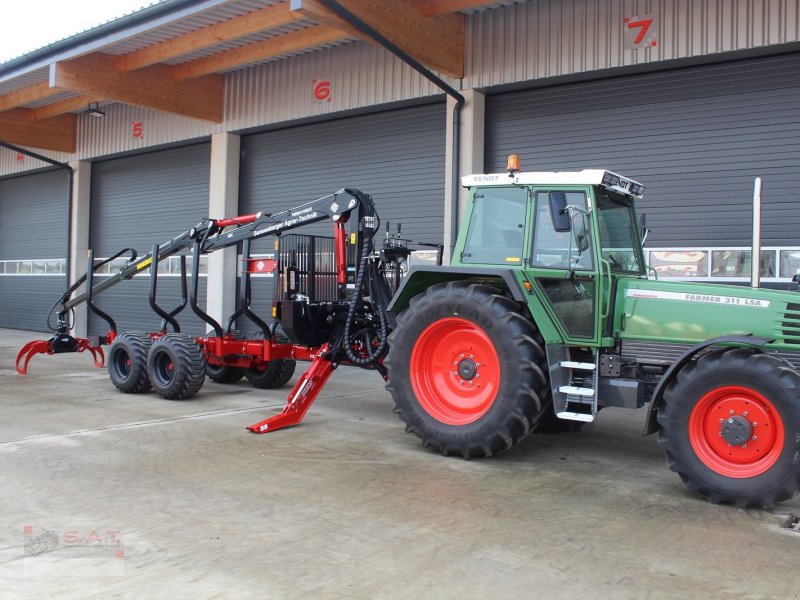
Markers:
point(512, 166)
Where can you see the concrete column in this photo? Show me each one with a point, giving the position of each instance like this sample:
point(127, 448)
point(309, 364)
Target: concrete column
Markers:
point(79, 245)
point(470, 159)
point(223, 201)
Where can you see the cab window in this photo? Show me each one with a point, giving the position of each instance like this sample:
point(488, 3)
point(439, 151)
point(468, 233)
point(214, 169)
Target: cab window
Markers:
point(495, 234)
point(551, 248)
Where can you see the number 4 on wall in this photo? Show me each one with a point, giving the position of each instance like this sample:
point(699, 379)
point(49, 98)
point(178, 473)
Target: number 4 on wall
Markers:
point(640, 32)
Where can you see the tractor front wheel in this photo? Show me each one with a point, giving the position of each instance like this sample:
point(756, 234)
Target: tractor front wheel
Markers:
point(730, 427)
point(467, 370)
point(127, 362)
point(176, 366)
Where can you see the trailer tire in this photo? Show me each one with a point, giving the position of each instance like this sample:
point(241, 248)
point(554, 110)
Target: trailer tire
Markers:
point(720, 399)
point(223, 374)
point(276, 373)
point(127, 362)
point(448, 337)
point(176, 366)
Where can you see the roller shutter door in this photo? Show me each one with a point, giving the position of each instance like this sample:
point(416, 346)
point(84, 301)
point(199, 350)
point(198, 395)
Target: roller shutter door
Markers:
point(397, 157)
point(33, 245)
point(695, 137)
point(138, 201)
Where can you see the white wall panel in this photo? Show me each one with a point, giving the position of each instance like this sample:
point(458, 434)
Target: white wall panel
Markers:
point(549, 38)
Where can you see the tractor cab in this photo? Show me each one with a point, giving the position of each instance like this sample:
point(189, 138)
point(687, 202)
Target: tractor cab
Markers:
point(569, 235)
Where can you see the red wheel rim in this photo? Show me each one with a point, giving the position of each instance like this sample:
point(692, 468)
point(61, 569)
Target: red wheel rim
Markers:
point(445, 352)
point(754, 457)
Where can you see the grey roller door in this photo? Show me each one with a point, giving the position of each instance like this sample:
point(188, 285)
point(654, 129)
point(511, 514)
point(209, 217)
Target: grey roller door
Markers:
point(138, 201)
point(694, 137)
point(33, 245)
point(397, 157)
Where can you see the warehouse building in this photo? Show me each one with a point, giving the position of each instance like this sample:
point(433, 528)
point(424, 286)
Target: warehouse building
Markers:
point(188, 109)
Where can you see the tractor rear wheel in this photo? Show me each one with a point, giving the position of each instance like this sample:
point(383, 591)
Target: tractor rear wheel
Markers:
point(127, 362)
point(275, 373)
point(176, 366)
point(730, 427)
point(467, 370)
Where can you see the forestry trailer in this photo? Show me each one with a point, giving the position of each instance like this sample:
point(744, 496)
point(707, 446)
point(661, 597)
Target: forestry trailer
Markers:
point(545, 316)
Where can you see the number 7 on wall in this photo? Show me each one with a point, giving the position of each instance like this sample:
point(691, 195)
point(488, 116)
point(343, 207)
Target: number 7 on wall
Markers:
point(645, 35)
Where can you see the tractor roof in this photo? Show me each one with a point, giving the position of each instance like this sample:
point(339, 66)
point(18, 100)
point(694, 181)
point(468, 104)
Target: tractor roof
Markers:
point(607, 179)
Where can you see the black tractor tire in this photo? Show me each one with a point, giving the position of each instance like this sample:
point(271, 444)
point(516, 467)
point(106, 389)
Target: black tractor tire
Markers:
point(127, 362)
point(444, 341)
point(276, 373)
point(176, 366)
point(720, 399)
point(223, 374)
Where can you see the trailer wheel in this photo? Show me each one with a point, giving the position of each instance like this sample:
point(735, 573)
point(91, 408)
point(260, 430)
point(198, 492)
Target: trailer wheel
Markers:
point(176, 366)
point(467, 370)
point(127, 362)
point(223, 374)
point(730, 427)
point(274, 374)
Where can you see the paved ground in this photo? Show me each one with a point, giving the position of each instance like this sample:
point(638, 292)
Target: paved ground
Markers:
point(346, 505)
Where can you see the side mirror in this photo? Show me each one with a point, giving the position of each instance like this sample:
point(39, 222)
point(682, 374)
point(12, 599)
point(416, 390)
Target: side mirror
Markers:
point(643, 227)
point(558, 211)
point(581, 229)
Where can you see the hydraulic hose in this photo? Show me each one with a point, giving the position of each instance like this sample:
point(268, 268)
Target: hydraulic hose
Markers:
point(366, 271)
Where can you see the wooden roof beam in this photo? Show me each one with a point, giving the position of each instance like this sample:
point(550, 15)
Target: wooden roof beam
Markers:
point(58, 133)
point(61, 107)
point(151, 87)
point(434, 8)
point(437, 42)
point(261, 50)
point(26, 95)
point(263, 19)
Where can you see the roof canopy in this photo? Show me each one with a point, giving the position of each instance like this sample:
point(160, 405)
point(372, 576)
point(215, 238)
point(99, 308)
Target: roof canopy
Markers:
point(173, 56)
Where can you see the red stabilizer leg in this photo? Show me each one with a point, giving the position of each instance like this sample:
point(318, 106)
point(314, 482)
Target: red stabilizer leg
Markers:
point(300, 399)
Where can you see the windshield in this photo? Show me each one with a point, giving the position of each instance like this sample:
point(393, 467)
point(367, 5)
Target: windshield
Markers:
point(619, 233)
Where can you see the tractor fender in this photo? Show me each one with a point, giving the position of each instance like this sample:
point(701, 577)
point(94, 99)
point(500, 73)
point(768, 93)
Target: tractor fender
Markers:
point(650, 424)
point(418, 279)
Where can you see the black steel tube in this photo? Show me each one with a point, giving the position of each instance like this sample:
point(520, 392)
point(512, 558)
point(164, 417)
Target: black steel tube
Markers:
point(166, 318)
point(112, 325)
point(70, 181)
point(193, 291)
point(430, 76)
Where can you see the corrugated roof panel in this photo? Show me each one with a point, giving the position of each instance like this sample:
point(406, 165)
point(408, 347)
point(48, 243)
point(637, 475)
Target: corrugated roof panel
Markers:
point(200, 20)
point(239, 42)
point(77, 33)
point(308, 50)
point(34, 77)
point(50, 99)
point(492, 5)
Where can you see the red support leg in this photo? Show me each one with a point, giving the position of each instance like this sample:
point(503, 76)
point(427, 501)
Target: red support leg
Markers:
point(301, 397)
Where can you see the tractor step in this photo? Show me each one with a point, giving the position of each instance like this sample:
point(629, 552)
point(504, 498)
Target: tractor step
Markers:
point(571, 390)
point(575, 416)
point(571, 364)
point(574, 379)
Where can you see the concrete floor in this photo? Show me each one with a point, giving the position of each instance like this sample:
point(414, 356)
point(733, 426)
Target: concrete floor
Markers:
point(347, 505)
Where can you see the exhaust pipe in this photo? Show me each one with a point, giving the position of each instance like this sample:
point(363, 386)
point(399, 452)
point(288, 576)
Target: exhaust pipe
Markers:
point(755, 250)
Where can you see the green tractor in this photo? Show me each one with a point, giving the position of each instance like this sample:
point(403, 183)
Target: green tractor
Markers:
point(547, 314)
